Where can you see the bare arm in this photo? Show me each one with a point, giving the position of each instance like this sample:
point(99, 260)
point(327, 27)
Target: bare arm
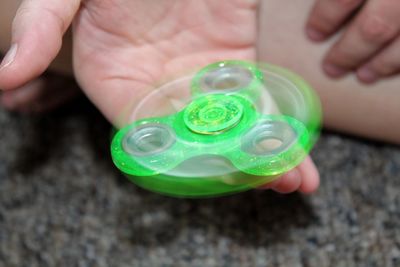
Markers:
point(370, 111)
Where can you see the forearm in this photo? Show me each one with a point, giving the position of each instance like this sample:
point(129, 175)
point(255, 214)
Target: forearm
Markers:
point(349, 106)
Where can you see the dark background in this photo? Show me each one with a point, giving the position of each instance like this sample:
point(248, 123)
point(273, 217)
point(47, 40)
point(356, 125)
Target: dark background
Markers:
point(62, 203)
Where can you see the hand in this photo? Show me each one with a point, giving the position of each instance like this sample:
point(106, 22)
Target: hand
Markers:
point(122, 47)
point(369, 45)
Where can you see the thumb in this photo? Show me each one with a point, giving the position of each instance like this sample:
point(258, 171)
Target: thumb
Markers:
point(37, 32)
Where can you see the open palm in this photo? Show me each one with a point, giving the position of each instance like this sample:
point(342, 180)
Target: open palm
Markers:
point(122, 47)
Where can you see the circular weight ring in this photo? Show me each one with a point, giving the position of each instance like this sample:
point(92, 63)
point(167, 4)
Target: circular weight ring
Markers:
point(145, 148)
point(273, 146)
point(229, 77)
point(268, 138)
point(148, 139)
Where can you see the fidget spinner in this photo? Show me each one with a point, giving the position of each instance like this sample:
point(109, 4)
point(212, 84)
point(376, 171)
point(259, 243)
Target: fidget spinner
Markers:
point(232, 126)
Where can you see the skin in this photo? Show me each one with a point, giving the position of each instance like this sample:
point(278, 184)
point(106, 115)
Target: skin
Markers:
point(121, 48)
point(370, 111)
point(369, 43)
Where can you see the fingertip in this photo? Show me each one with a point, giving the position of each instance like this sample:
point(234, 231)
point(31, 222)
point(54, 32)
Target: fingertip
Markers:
point(37, 32)
point(9, 57)
point(288, 183)
point(315, 35)
point(310, 186)
point(333, 70)
point(6, 63)
point(28, 58)
point(310, 176)
point(367, 75)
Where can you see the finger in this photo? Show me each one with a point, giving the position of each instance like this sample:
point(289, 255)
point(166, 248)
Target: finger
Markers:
point(15, 99)
point(384, 64)
point(288, 183)
point(45, 93)
point(377, 25)
point(327, 16)
point(305, 178)
point(37, 33)
point(310, 176)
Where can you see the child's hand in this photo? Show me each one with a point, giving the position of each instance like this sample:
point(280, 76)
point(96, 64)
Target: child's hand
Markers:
point(369, 45)
point(122, 47)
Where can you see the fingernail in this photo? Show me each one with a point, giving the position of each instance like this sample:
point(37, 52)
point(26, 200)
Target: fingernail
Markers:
point(365, 74)
point(9, 57)
point(314, 34)
point(333, 70)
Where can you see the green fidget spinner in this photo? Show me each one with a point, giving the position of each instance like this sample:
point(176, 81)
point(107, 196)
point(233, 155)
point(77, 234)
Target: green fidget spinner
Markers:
point(233, 126)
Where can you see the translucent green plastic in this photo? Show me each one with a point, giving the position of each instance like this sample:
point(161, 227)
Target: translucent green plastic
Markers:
point(239, 126)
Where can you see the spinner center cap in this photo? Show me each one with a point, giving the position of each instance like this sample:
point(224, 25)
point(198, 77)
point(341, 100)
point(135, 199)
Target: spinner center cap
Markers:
point(213, 114)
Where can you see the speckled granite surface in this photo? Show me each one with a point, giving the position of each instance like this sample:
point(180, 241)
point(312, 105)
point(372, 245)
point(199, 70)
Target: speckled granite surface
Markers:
point(63, 204)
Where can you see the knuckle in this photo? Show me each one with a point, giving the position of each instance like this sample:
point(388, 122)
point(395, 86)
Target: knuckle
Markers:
point(327, 14)
point(376, 29)
point(21, 12)
point(45, 12)
point(57, 17)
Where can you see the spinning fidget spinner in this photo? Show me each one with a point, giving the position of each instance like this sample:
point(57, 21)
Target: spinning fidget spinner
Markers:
point(232, 126)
